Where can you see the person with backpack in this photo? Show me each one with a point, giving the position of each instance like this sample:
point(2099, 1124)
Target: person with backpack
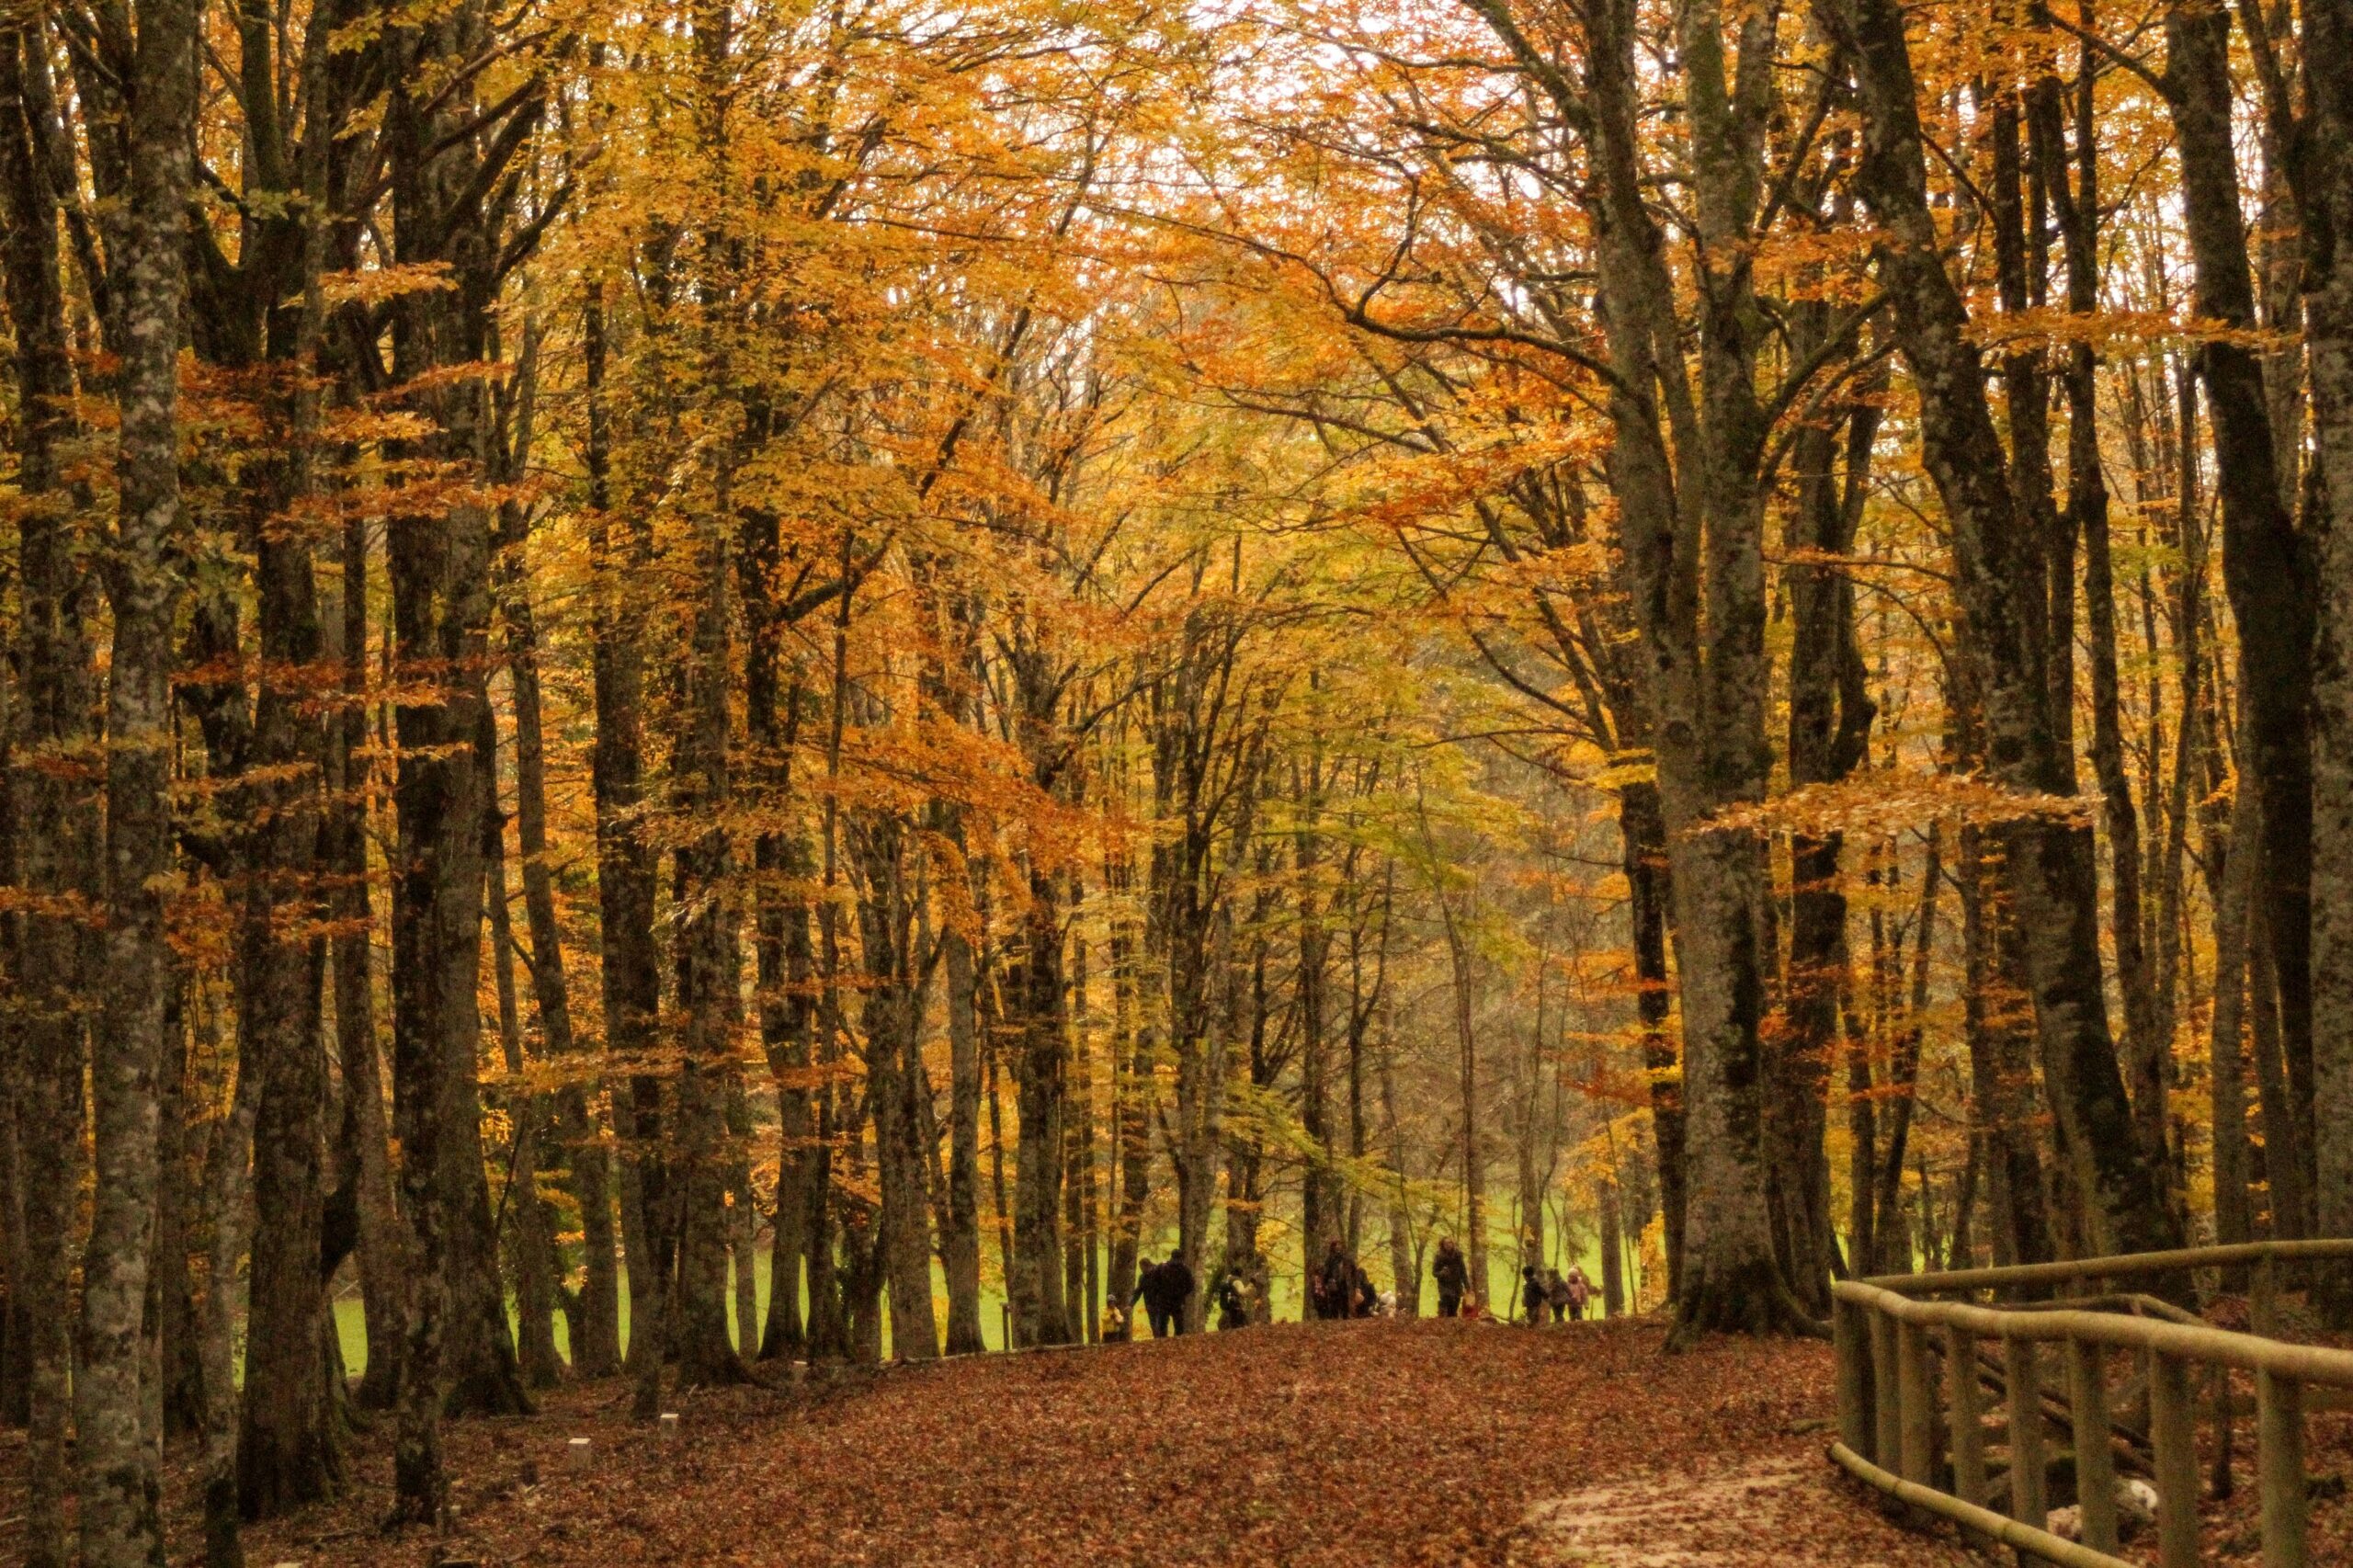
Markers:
point(1580, 1291)
point(1531, 1296)
point(1232, 1298)
point(1451, 1275)
point(1556, 1295)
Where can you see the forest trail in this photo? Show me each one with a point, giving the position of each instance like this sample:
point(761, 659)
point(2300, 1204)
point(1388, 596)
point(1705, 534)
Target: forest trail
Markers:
point(1352, 1444)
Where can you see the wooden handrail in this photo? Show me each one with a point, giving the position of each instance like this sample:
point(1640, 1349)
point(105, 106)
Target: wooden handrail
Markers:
point(2008, 1532)
point(2026, 1276)
point(1890, 1423)
point(2247, 1352)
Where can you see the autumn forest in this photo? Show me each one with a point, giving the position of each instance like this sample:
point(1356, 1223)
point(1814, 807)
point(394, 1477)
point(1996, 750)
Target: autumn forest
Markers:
point(699, 689)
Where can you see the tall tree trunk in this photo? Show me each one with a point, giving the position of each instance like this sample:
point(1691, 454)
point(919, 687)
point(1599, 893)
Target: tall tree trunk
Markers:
point(459, 1347)
point(892, 1017)
point(1830, 717)
point(56, 818)
point(2234, 1221)
point(2148, 1058)
point(2328, 286)
point(707, 988)
point(1997, 1024)
point(1036, 1287)
point(229, 1193)
point(782, 953)
point(365, 1135)
point(1321, 1194)
point(594, 1322)
point(1642, 833)
point(629, 971)
point(521, 1213)
point(2268, 564)
point(1131, 1082)
point(1466, 1046)
point(120, 1522)
point(960, 1245)
point(1613, 1263)
point(2049, 865)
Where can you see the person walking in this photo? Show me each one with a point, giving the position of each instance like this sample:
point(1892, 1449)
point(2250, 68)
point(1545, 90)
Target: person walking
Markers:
point(1531, 1296)
point(1451, 1275)
point(1172, 1292)
point(1580, 1291)
point(1232, 1298)
point(1148, 1292)
point(1163, 1288)
point(1332, 1285)
point(1556, 1295)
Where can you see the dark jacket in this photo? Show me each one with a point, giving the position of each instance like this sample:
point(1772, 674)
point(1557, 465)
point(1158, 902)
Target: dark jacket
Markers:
point(1450, 1272)
point(1167, 1286)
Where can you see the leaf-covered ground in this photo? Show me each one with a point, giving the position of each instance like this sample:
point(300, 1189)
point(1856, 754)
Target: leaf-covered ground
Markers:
point(1355, 1444)
point(1336, 1444)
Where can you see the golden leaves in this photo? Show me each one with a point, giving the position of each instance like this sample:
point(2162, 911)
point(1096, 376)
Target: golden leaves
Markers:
point(1889, 801)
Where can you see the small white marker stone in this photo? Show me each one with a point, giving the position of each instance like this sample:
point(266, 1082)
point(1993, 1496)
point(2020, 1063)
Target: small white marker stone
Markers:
point(669, 1425)
point(575, 1453)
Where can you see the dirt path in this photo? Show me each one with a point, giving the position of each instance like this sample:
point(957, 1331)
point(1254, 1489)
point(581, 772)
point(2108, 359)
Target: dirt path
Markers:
point(1332, 1444)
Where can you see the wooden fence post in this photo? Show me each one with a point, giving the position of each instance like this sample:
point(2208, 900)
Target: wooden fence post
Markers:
point(2279, 1451)
point(2173, 1429)
point(1888, 1401)
point(1917, 1380)
point(2094, 1462)
point(1968, 1427)
point(2029, 1498)
point(1850, 1326)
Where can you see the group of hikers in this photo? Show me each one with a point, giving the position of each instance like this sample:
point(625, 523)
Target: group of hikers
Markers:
point(1338, 1286)
point(1563, 1297)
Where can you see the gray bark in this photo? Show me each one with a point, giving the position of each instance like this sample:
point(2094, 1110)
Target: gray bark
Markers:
point(119, 1521)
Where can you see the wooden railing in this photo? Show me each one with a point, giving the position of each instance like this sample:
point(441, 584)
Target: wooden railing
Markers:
point(1890, 1334)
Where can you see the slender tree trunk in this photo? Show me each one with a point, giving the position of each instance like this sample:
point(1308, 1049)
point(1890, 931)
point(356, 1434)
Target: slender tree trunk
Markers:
point(630, 974)
point(229, 1193)
point(366, 1133)
point(1474, 1169)
point(596, 1322)
point(1131, 1083)
point(1830, 718)
point(960, 1247)
point(1613, 1263)
point(521, 1212)
point(2234, 1220)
